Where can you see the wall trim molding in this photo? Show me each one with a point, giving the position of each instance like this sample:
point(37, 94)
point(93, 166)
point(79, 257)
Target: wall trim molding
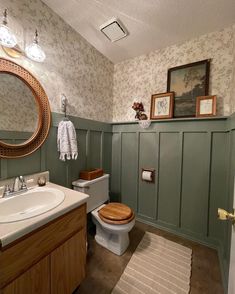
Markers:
point(173, 120)
point(177, 233)
point(81, 123)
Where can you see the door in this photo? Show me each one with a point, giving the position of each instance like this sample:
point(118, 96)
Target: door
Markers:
point(231, 284)
point(224, 215)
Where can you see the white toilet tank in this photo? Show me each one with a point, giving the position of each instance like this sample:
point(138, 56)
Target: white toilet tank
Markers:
point(97, 189)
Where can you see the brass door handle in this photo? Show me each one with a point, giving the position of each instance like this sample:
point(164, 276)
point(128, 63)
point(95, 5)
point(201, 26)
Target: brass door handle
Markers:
point(224, 215)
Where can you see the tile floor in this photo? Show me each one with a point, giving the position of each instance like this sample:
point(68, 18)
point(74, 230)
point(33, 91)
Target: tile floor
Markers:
point(105, 268)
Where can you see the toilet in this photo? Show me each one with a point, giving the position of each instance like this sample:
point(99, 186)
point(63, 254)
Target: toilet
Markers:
point(113, 221)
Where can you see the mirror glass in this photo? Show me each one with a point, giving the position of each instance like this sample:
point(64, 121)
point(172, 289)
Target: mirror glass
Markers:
point(19, 112)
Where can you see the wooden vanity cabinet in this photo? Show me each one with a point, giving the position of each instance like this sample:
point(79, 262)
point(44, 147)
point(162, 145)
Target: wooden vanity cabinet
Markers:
point(49, 260)
point(36, 280)
point(66, 275)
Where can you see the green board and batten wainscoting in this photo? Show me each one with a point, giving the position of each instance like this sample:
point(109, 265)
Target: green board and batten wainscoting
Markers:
point(94, 145)
point(194, 161)
point(94, 148)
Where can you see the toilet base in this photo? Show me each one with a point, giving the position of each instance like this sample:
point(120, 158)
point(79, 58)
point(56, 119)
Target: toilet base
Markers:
point(116, 243)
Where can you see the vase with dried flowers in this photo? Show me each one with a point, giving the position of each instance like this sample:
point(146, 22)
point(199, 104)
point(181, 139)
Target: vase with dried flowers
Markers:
point(139, 109)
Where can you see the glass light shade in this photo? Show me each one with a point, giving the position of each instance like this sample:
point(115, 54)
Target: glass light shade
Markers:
point(7, 38)
point(35, 52)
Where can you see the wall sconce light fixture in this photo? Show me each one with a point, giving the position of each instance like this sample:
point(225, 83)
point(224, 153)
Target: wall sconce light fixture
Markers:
point(8, 40)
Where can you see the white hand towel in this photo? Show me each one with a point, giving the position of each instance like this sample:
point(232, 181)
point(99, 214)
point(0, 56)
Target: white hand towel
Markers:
point(67, 141)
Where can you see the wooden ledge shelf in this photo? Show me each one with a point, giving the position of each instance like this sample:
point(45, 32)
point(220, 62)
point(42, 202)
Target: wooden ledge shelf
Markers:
point(173, 120)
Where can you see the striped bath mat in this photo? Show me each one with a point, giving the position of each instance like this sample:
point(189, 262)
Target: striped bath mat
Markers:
point(157, 266)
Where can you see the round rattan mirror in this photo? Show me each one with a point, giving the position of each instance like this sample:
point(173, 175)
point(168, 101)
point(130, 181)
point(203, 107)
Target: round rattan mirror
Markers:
point(24, 111)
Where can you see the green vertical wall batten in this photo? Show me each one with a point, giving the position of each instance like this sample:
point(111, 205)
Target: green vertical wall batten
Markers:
point(194, 162)
point(129, 165)
point(195, 183)
point(169, 169)
point(95, 149)
point(116, 166)
point(107, 151)
point(147, 202)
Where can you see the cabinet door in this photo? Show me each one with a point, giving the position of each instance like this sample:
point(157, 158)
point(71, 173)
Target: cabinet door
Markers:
point(68, 264)
point(36, 280)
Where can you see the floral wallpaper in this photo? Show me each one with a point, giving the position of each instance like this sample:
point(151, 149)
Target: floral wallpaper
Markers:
point(18, 108)
point(96, 89)
point(138, 78)
point(72, 66)
point(232, 101)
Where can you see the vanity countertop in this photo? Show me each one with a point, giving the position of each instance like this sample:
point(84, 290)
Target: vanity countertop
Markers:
point(10, 232)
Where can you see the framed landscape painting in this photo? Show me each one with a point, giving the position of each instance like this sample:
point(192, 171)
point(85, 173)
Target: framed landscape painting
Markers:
point(188, 82)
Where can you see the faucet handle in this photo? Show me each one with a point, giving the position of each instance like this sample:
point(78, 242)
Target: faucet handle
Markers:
point(23, 184)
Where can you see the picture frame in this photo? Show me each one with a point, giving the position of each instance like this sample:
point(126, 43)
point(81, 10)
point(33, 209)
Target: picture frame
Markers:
point(162, 105)
point(188, 82)
point(206, 106)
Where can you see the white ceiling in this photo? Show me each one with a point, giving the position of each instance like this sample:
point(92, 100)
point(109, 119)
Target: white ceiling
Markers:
point(152, 24)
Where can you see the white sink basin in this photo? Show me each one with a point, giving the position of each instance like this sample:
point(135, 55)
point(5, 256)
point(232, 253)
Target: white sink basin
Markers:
point(29, 204)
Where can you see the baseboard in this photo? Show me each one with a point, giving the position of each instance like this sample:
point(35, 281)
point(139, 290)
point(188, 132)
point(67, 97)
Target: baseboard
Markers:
point(177, 233)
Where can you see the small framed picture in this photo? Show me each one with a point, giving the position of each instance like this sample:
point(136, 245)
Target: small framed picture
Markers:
point(206, 106)
point(162, 105)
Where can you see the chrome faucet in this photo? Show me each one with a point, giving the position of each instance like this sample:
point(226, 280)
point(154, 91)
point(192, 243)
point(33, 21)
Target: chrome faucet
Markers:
point(23, 184)
point(18, 186)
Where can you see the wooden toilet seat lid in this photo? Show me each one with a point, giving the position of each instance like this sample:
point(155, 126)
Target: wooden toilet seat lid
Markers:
point(115, 222)
point(115, 213)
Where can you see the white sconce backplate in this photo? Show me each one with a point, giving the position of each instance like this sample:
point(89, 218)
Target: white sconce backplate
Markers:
point(14, 52)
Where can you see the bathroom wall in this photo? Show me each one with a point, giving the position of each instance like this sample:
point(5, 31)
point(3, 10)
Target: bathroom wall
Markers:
point(232, 103)
point(194, 174)
point(72, 67)
point(193, 159)
point(94, 150)
point(138, 78)
point(190, 157)
point(191, 164)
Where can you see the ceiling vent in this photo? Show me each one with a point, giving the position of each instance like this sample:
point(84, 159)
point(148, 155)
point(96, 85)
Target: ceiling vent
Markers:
point(114, 30)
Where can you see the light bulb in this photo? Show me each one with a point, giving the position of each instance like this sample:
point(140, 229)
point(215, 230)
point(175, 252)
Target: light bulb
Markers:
point(34, 51)
point(7, 38)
